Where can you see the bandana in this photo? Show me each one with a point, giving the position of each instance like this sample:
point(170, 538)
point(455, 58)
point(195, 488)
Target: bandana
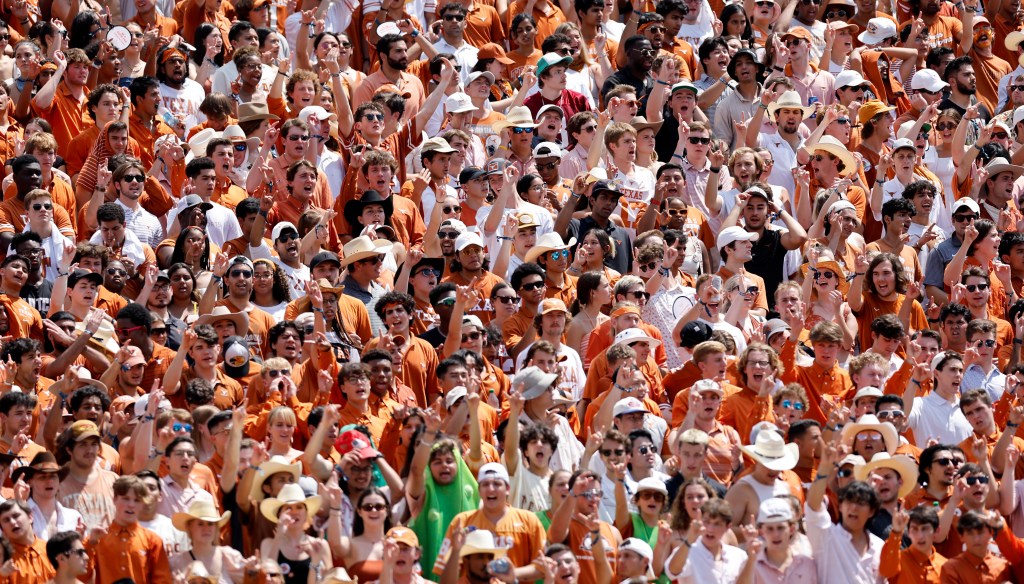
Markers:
point(170, 54)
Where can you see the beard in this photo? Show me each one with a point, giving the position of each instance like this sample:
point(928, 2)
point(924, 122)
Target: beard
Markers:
point(965, 89)
point(398, 65)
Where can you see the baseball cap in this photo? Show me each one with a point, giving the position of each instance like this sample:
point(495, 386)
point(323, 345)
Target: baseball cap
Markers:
point(628, 405)
point(404, 535)
point(459, 102)
point(454, 224)
point(320, 113)
point(545, 149)
point(81, 274)
point(734, 234)
point(236, 357)
point(687, 85)
point(550, 60)
point(927, 80)
point(493, 470)
point(877, 30)
point(775, 326)
point(871, 109)
point(704, 385)
point(135, 356)
point(477, 75)
point(800, 33)
point(279, 229)
point(850, 78)
point(324, 256)
point(775, 510)
point(903, 143)
point(355, 441)
point(966, 202)
point(694, 333)
point(467, 239)
point(83, 429)
point(638, 547)
point(454, 394)
point(471, 173)
point(438, 144)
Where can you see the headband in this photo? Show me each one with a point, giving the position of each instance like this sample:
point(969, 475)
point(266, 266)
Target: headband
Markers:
point(625, 310)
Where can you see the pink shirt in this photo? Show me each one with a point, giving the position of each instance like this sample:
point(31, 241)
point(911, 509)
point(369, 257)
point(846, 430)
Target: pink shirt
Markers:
point(801, 569)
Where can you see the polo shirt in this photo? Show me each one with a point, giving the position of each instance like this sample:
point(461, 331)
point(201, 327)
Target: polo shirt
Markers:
point(67, 115)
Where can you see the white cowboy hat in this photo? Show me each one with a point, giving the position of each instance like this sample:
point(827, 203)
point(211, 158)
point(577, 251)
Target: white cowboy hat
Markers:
point(202, 510)
point(290, 494)
point(904, 465)
point(840, 151)
point(517, 117)
point(789, 100)
point(220, 313)
point(481, 541)
point(235, 134)
point(197, 144)
point(772, 451)
point(269, 468)
point(548, 242)
point(1000, 164)
point(870, 422)
point(635, 335)
point(363, 247)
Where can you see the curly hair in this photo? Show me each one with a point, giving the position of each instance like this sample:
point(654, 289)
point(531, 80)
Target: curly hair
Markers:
point(178, 255)
point(280, 291)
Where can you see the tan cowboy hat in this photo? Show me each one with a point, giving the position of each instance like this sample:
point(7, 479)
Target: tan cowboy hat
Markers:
point(772, 451)
point(904, 465)
point(202, 510)
point(104, 338)
point(481, 541)
point(363, 247)
point(840, 151)
point(197, 574)
point(789, 100)
point(870, 422)
point(828, 265)
point(517, 117)
point(219, 313)
point(640, 123)
point(235, 134)
point(326, 286)
point(289, 495)
point(1000, 164)
point(250, 112)
point(270, 468)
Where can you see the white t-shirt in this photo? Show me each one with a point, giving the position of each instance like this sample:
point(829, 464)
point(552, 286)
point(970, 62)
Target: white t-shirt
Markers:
point(184, 102)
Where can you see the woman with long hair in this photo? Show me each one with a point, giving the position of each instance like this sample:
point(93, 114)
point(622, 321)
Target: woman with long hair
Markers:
point(981, 249)
point(202, 523)
point(504, 303)
point(192, 247)
point(522, 51)
point(824, 294)
point(740, 293)
point(185, 294)
point(413, 420)
point(589, 71)
point(363, 553)
point(270, 290)
point(134, 66)
point(594, 248)
point(736, 23)
point(304, 555)
point(939, 157)
point(85, 27)
point(593, 295)
point(835, 227)
point(209, 54)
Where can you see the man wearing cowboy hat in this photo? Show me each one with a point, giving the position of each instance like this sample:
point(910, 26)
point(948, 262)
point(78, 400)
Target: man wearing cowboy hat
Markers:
point(788, 112)
point(364, 258)
point(772, 457)
point(476, 550)
point(772, 244)
point(516, 142)
point(894, 478)
point(49, 517)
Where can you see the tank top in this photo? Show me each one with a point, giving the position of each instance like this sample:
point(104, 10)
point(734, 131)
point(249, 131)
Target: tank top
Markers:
point(763, 491)
point(295, 571)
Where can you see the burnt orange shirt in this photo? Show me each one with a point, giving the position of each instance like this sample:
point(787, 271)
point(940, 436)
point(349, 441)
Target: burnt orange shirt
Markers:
point(227, 393)
point(355, 319)
point(601, 338)
point(418, 370)
point(743, 409)
point(874, 307)
point(31, 565)
point(483, 285)
point(146, 138)
point(547, 15)
point(819, 382)
point(195, 14)
point(968, 568)
point(908, 566)
point(156, 367)
point(61, 193)
point(67, 115)
point(13, 218)
point(168, 27)
point(130, 551)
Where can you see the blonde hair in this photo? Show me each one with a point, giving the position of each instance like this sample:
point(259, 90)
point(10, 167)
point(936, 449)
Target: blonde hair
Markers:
point(283, 413)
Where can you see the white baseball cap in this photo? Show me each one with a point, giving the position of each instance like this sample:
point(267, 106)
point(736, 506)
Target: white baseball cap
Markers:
point(878, 30)
point(927, 80)
point(467, 239)
point(628, 405)
point(734, 234)
point(850, 78)
point(458, 103)
point(774, 510)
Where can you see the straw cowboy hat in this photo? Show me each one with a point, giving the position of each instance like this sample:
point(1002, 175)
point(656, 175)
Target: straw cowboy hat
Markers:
point(828, 265)
point(517, 117)
point(290, 494)
point(772, 451)
point(202, 510)
point(870, 422)
point(481, 541)
point(235, 134)
point(363, 247)
point(104, 338)
point(197, 144)
point(635, 335)
point(837, 149)
point(220, 313)
point(270, 468)
point(546, 243)
point(789, 100)
point(904, 465)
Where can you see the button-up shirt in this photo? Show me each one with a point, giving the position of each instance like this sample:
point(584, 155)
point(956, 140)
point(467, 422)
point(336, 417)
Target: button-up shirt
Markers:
point(909, 565)
point(31, 565)
point(938, 259)
point(936, 417)
point(465, 55)
point(177, 499)
point(734, 107)
point(784, 156)
point(800, 569)
point(968, 568)
point(64, 520)
point(367, 296)
point(993, 382)
point(130, 551)
point(701, 566)
point(838, 560)
point(143, 224)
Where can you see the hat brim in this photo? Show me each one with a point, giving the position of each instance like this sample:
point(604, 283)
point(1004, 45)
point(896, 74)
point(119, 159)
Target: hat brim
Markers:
point(180, 520)
point(787, 461)
point(849, 162)
point(354, 208)
point(844, 284)
point(903, 465)
point(240, 319)
point(269, 469)
point(887, 430)
point(538, 250)
point(655, 343)
point(775, 107)
point(269, 508)
point(469, 550)
point(382, 246)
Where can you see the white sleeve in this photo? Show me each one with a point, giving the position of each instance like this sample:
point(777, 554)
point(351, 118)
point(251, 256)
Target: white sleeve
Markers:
point(817, 524)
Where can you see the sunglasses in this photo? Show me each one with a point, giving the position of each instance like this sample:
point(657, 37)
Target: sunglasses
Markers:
point(346, 45)
point(275, 373)
point(644, 52)
point(373, 507)
point(565, 52)
point(986, 343)
point(945, 126)
point(842, 121)
point(638, 294)
point(826, 275)
point(449, 209)
point(41, 206)
point(241, 273)
point(1000, 135)
point(650, 266)
point(133, 178)
point(241, 147)
point(834, 14)
point(793, 42)
point(473, 336)
point(964, 218)
point(547, 166)
point(1017, 87)
point(821, 157)
point(592, 494)
point(675, 212)
point(374, 117)
point(923, 136)
point(976, 287)
point(891, 414)
point(651, 495)
point(843, 473)
point(116, 272)
point(971, 481)
point(589, 129)
point(944, 461)
point(610, 451)
point(447, 235)
point(121, 332)
point(751, 291)
point(178, 427)
point(559, 254)
point(696, 140)
point(428, 272)
point(371, 260)
point(798, 406)
point(532, 286)
point(450, 301)
point(518, 130)
point(298, 138)
point(454, 17)
point(158, 331)
point(645, 450)
point(869, 436)
point(507, 299)
point(764, 3)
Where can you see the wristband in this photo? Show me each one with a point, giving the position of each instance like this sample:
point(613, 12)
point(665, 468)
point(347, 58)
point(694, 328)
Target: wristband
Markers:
point(664, 272)
point(320, 310)
point(415, 33)
point(1012, 425)
point(820, 476)
point(715, 169)
point(216, 278)
point(1018, 342)
point(679, 156)
point(855, 274)
point(779, 69)
point(687, 543)
point(264, 213)
point(915, 382)
point(660, 82)
point(503, 238)
point(933, 320)
point(762, 106)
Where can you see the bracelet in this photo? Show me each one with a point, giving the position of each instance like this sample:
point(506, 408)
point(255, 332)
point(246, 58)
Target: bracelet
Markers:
point(335, 508)
point(99, 188)
point(264, 213)
point(664, 272)
point(820, 476)
point(415, 33)
point(1018, 342)
point(762, 106)
point(61, 274)
point(779, 69)
point(933, 320)
point(660, 82)
point(679, 156)
point(596, 532)
point(915, 382)
point(320, 310)
point(838, 426)
point(855, 274)
point(335, 75)
point(715, 169)
point(503, 238)
point(687, 543)
point(831, 428)
point(216, 278)
point(1011, 425)
point(283, 74)
point(148, 418)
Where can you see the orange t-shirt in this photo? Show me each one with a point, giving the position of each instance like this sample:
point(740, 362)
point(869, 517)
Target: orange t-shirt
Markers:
point(67, 115)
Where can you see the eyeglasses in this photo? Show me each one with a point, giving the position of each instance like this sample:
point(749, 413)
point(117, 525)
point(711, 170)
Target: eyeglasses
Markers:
point(373, 507)
point(374, 117)
point(891, 414)
point(798, 406)
point(428, 272)
point(759, 364)
point(964, 218)
point(473, 336)
point(121, 332)
point(241, 147)
point(531, 286)
point(559, 254)
point(518, 130)
point(241, 273)
point(178, 427)
point(263, 275)
point(611, 451)
point(158, 331)
point(134, 178)
point(116, 272)
point(507, 299)
point(449, 209)
point(974, 480)
point(547, 166)
point(638, 294)
point(825, 275)
point(986, 343)
point(944, 461)
point(564, 51)
point(41, 206)
point(298, 138)
point(703, 141)
point(845, 472)
point(275, 373)
point(976, 287)
point(945, 126)
point(447, 235)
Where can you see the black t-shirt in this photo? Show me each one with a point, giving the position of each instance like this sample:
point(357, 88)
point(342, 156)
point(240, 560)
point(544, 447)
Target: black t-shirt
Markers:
point(623, 260)
point(767, 261)
point(947, 103)
point(38, 295)
point(433, 336)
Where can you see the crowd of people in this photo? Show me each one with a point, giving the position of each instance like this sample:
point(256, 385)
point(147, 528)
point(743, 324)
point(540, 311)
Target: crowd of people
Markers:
point(482, 292)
